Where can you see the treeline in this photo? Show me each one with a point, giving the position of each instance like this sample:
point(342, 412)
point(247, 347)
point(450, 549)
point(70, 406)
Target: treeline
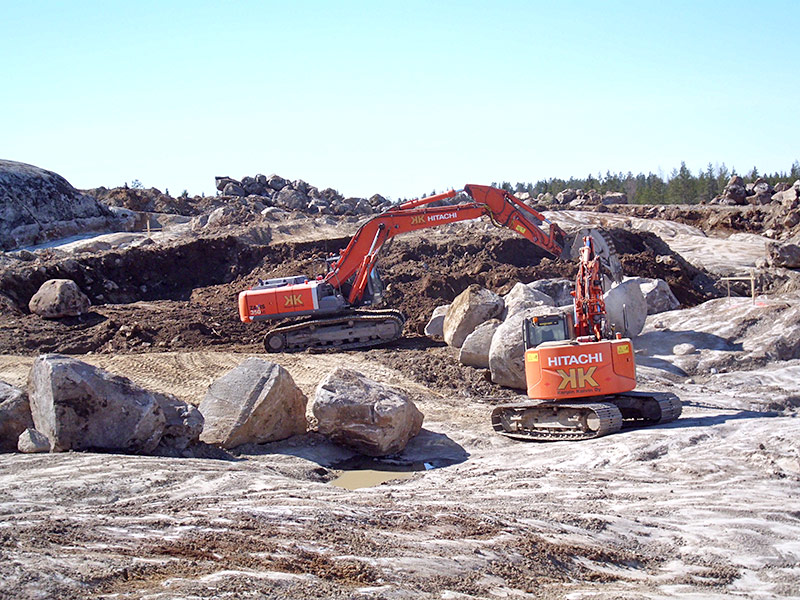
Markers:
point(681, 187)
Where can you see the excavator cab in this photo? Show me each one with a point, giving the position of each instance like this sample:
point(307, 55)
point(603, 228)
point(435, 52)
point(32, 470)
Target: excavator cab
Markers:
point(558, 327)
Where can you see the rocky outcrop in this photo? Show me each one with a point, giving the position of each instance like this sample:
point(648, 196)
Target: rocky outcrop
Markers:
point(15, 416)
point(435, 326)
point(507, 352)
point(523, 296)
point(626, 308)
point(475, 350)
point(58, 298)
point(470, 308)
point(79, 407)
point(370, 417)
point(256, 402)
point(38, 205)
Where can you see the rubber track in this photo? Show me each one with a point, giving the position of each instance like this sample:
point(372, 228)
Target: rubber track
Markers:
point(376, 316)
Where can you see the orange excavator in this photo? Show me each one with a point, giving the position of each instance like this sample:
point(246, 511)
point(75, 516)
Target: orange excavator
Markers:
point(337, 309)
point(579, 373)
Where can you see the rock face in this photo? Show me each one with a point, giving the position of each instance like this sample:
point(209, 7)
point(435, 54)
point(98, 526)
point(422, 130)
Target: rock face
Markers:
point(626, 308)
point(657, 294)
point(79, 407)
point(507, 352)
point(31, 441)
point(183, 423)
point(523, 296)
point(475, 350)
point(37, 205)
point(470, 308)
point(256, 402)
point(58, 298)
point(370, 417)
point(15, 416)
point(435, 326)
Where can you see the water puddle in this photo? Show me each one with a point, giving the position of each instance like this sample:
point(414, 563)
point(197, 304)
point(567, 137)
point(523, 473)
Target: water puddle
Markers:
point(362, 471)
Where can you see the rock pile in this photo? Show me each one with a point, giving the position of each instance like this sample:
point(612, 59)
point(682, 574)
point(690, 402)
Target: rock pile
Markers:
point(299, 195)
point(571, 198)
point(759, 193)
point(487, 329)
point(38, 205)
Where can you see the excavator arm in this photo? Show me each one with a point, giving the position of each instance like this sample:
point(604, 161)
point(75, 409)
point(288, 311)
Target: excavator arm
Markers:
point(503, 209)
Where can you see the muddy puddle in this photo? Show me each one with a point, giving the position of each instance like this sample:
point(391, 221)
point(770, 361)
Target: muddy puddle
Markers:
point(363, 472)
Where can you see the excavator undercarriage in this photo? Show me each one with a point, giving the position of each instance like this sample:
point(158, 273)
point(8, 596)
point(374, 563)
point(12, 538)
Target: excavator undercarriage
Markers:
point(581, 420)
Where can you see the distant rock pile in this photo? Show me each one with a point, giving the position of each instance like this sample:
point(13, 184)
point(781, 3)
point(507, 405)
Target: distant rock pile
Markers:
point(38, 205)
point(571, 198)
point(758, 193)
point(299, 195)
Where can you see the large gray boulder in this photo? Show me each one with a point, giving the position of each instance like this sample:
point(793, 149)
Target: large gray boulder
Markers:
point(15, 416)
point(183, 423)
point(256, 402)
point(435, 326)
point(291, 198)
point(475, 350)
point(470, 308)
point(507, 352)
point(523, 296)
point(626, 308)
point(559, 289)
point(79, 407)
point(38, 205)
point(58, 298)
point(657, 294)
point(372, 418)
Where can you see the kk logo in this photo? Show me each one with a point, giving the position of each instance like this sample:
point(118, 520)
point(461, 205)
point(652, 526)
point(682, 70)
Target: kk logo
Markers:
point(293, 300)
point(577, 378)
point(418, 220)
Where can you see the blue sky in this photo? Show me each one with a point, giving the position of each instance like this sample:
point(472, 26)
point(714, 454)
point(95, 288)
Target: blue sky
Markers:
point(397, 98)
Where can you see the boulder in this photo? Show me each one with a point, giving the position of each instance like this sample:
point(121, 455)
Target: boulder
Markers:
point(233, 189)
point(372, 418)
point(58, 298)
point(566, 196)
point(435, 326)
point(31, 441)
point(507, 351)
point(784, 254)
point(79, 407)
point(470, 308)
point(221, 182)
point(614, 198)
point(657, 294)
point(684, 349)
point(559, 289)
point(15, 416)
point(276, 182)
point(256, 402)
point(475, 350)
point(523, 296)
point(291, 198)
point(183, 423)
point(626, 308)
